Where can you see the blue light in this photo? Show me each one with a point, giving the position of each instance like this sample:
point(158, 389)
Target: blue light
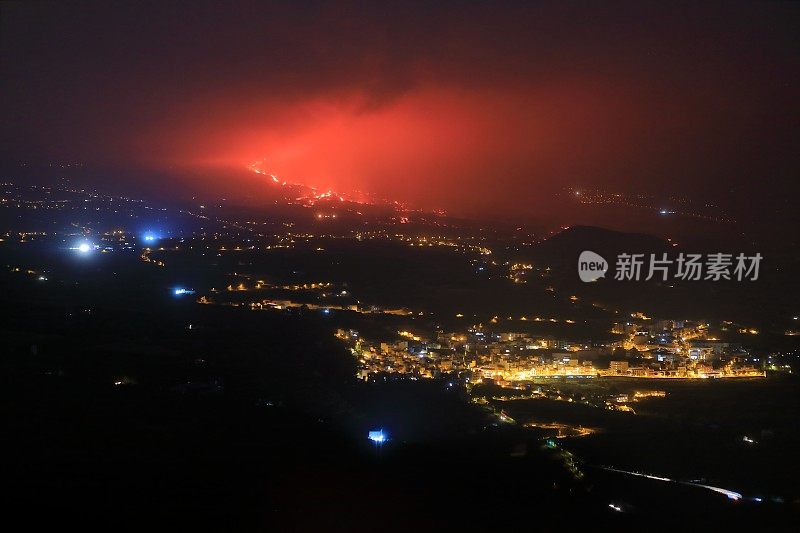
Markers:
point(377, 436)
point(84, 248)
point(181, 291)
point(149, 237)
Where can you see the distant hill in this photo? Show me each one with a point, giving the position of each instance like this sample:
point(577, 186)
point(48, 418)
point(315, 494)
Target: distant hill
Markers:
point(563, 249)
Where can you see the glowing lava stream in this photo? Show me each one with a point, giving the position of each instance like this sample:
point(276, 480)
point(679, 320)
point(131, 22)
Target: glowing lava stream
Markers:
point(313, 195)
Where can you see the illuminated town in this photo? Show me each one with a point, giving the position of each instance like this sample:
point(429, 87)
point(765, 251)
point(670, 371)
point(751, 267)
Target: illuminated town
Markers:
point(506, 358)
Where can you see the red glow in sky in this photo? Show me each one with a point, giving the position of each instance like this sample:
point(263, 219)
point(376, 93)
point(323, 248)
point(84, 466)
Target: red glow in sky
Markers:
point(475, 108)
point(438, 146)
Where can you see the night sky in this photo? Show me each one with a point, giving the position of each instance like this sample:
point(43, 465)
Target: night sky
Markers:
point(469, 106)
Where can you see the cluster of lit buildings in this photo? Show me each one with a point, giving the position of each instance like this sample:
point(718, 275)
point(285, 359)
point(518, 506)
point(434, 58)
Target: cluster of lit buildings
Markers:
point(682, 349)
point(476, 354)
point(682, 370)
point(669, 349)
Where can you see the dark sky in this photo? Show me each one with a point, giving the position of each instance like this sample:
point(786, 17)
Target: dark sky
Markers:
point(465, 105)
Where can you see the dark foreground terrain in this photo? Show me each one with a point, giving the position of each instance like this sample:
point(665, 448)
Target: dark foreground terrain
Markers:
point(123, 406)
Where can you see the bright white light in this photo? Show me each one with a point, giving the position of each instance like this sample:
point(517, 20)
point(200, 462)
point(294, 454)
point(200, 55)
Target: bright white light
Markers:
point(377, 436)
point(149, 237)
point(182, 290)
point(84, 248)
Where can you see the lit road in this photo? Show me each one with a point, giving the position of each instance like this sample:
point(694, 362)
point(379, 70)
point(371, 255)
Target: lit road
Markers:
point(729, 493)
